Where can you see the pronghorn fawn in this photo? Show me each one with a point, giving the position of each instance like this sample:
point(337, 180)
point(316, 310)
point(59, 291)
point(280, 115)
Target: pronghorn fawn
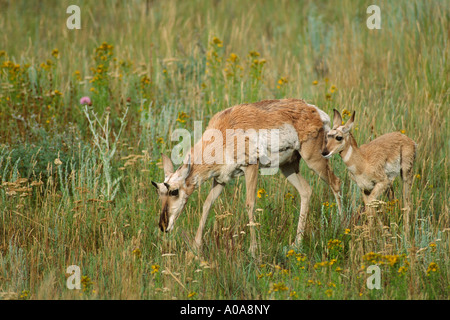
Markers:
point(300, 129)
point(375, 165)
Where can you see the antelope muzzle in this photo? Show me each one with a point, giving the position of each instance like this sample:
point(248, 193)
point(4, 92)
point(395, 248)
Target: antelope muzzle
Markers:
point(164, 219)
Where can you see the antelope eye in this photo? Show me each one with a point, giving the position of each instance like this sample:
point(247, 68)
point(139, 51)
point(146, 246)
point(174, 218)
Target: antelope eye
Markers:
point(338, 138)
point(173, 192)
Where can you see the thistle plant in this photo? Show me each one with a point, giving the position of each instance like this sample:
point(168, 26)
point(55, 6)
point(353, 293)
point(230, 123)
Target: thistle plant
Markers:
point(106, 147)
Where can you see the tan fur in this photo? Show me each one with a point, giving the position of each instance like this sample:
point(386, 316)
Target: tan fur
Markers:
point(268, 114)
point(374, 165)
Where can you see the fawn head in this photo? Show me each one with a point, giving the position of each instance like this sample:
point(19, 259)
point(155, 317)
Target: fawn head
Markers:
point(337, 137)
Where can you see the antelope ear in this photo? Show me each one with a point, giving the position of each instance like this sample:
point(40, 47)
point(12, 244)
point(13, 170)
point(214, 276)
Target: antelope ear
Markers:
point(167, 165)
point(337, 120)
point(185, 169)
point(348, 126)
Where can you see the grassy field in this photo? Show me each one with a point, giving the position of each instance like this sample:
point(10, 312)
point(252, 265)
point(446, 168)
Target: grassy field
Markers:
point(151, 67)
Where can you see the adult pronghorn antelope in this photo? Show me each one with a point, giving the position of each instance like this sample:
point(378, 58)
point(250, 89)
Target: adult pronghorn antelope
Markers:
point(374, 165)
point(301, 130)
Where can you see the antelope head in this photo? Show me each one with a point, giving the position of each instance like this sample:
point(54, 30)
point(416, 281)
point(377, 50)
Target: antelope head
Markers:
point(173, 192)
point(337, 137)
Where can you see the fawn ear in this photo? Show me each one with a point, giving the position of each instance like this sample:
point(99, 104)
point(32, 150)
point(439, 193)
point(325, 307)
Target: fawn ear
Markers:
point(337, 120)
point(167, 165)
point(348, 126)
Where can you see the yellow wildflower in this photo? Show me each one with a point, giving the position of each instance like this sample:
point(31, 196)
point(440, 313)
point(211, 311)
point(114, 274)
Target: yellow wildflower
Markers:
point(432, 267)
point(24, 295)
point(145, 80)
point(402, 270)
point(181, 117)
point(137, 253)
point(346, 113)
point(288, 196)
point(392, 260)
point(261, 192)
point(217, 42)
point(282, 81)
point(55, 53)
point(279, 287)
point(336, 243)
point(253, 54)
point(290, 253)
point(233, 58)
point(300, 257)
point(372, 257)
point(155, 269)
point(87, 283)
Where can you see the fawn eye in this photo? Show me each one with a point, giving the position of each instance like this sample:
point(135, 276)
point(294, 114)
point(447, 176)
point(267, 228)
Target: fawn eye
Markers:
point(173, 192)
point(338, 138)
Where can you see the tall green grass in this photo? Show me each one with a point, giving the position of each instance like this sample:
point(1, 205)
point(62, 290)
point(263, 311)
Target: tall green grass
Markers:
point(171, 63)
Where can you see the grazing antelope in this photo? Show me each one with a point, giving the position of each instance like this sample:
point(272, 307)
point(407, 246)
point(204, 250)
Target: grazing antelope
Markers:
point(301, 134)
point(374, 165)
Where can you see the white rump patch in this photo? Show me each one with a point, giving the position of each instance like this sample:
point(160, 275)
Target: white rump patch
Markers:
point(392, 169)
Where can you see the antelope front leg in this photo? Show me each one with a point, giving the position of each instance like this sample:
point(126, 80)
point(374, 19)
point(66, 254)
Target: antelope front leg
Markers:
point(251, 178)
point(212, 196)
point(292, 174)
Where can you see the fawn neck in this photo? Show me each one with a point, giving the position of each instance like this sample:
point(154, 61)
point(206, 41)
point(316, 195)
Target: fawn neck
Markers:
point(351, 154)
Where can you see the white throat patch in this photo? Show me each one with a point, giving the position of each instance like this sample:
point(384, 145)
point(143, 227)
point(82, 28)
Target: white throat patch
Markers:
point(348, 154)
